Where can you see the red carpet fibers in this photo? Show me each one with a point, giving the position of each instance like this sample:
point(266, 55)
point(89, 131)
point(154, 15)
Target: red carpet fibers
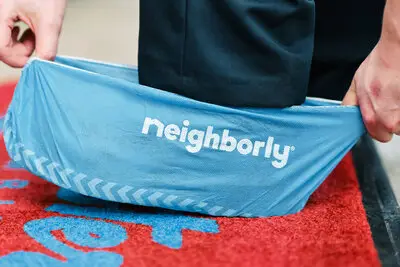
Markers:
point(331, 231)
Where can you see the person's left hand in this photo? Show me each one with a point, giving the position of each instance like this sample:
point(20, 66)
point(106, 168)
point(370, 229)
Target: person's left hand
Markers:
point(44, 19)
point(376, 89)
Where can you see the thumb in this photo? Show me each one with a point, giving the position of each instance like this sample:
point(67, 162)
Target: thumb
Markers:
point(47, 36)
point(5, 37)
point(350, 99)
point(5, 26)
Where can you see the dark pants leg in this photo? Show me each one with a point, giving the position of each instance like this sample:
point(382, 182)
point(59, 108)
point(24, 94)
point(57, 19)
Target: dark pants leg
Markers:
point(252, 52)
point(346, 32)
point(228, 52)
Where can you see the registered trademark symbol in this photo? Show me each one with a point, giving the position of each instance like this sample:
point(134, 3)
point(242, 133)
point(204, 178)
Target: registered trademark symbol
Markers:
point(292, 148)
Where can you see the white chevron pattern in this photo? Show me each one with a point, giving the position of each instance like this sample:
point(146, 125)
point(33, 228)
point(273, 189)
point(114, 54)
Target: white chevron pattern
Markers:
point(39, 164)
point(185, 203)
point(51, 169)
point(92, 185)
point(107, 191)
point(78, 183)
point(153, 198)
point(17, 156)
point(215, 209)
point(110, 191)
point(138, 196)
point(7, 135)
point(25, 155)
point(122, 193)
point(64, 176)
point(201, 205)
point(169, 199)
point(229, 212)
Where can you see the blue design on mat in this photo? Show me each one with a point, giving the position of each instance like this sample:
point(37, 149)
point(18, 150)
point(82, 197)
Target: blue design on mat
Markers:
point(85, 233)
point(166, 227)
point(6, 202)
point(13, 184)
point(12, 165)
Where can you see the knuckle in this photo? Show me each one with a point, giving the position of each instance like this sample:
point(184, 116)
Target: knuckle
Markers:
point(370, 119)
point(390, 122)
point(390, 127)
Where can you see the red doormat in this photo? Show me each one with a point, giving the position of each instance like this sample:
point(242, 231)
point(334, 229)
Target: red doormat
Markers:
point(43, 225)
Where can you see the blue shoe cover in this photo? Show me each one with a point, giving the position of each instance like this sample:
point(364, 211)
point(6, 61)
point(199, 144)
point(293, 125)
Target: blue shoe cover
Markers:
point(89, 127)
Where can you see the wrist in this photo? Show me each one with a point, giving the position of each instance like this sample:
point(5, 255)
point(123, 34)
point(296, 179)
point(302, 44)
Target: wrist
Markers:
point(388, 53)
point(391, 23)
point(389, 42)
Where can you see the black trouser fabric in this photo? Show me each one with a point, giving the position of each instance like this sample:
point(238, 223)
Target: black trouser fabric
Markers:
point(258, 53)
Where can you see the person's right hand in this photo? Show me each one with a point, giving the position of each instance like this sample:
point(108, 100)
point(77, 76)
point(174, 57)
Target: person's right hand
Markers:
point(44, 19)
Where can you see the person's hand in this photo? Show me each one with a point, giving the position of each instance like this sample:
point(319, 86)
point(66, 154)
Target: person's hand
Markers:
point(44, 19)
point(376, 90)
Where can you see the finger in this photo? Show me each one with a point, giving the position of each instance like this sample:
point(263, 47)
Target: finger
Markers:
point(397, 132)
point(17, 53)
point(380, 134)
point(374, 126)
point(5, 40)
point(5, 27)
point(47, 36)
point(389, 119)
point(350, 99)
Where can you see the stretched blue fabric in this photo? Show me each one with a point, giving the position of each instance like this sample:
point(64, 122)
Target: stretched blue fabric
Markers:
point(89, 127)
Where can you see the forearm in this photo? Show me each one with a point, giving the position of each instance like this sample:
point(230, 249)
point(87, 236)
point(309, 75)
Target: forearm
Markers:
point(390, 37)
